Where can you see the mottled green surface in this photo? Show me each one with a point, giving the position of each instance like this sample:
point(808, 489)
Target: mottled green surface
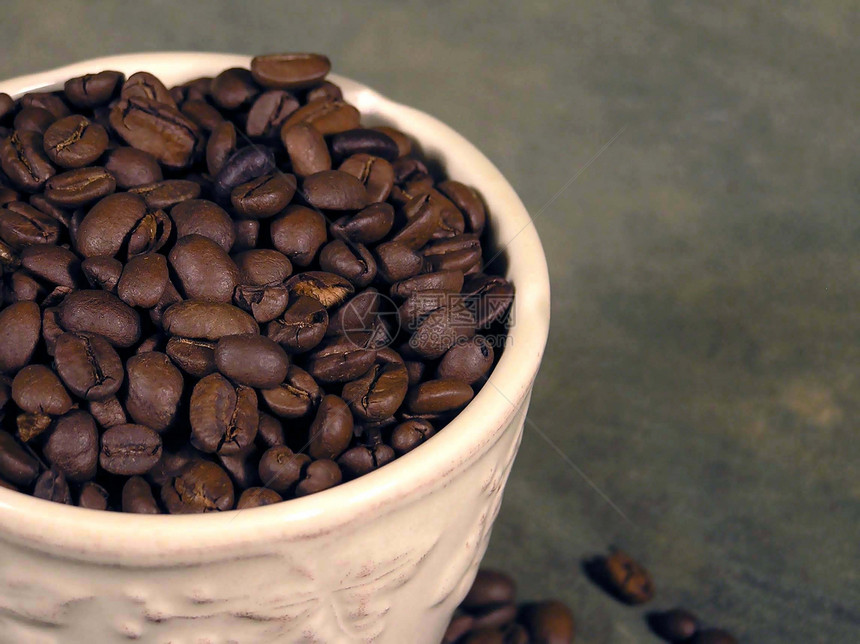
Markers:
point(704, 363)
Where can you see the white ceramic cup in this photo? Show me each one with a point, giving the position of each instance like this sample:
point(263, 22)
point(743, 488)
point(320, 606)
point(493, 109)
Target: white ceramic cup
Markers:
point(385, 558)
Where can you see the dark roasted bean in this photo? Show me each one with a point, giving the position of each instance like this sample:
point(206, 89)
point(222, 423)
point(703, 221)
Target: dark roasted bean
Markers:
point(252, 360)
point(374, 173)
point(132, 167)
point(378, 393)
point(79, 187)
point(396, 262)
point(361, 460)
point(367, 226)
point(52, 486)
point(264, 302)
point(280, 469)
point(403, 142)
point(157, 128)
point(107, 412)
point(443, 281)
point(219, 147)
point(331, 430)
point(16, 465)
point(121, 221)
point(302, 325)
point(364, 141)
point(143, 280)
point(627, 578)
point(100, 312)
point(53, 264)
point(439, 396)
point(459, 253)
point(247, 233)
point(409, 434)
point(320, 475)
point(202, 217)
point(356, 314)
point(223, 419)
point(264, 196)
point(154, 390)
point(102, 272)
point(22, 225)
point(207, 320)
point(20, 324)
point(242, 467)
point(194, 357)
point(137, 497)
point(469, 203)
point(352, 261)
point(75, 141)
point(270, 432)
point(488, 297)
point(676, 625)
point(93, 497)
point(23, 159)
point(262, 267)
point(88, 365)
point(296, 396)
point(441, 328)
point(92, 90)
point(204, 269)
point(269, 112)
point(244, 165)
point(341, 359)
point(199, 487)
point(206, 117)
point(334, 190)
point(33, 119)
point(255, 497)
point(298, 233)
point(233, 88)
point(325, 91)
point(306, 148)
point(326, 115)
point(468, 361)
point(72, 446)
point(146, 86)
point(129, 449)
point(548, 621)
point(490, 588)
point(47, 100)
point(290, 71)
point(37, 389)
point(167, 193)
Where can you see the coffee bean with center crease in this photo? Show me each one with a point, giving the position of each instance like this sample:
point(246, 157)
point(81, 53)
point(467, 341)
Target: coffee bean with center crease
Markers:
point(244, 165)
point(146, 86)
point(53, 264)
point(364, 141)
point(37, 389)
point(100, 312)
point(255, 497)
point(269, 112)
point(264, 196)
point(469, 203)
point(296, 396)
point(374, 173)
point(360, 460)
point(320, 475)
point(409, 434)
point(326, 115)
point(262, 266)
point(102, 272)
point(234, 88)
point(324, 91)
point(129, 449)
point(270, 431)
point(16, 465)
point(206, 117)
point(167, 193)
point(93, 497)
point(194, 357)
point(137, 497)
point(33, 119)
point(461, 253)
point(204, 269)
point(219, 147)
point(52, 486)
point(23, 159)
point(442, 281)
point(79, 186)
point(20, 326)
point(157, 128)
point(334, 190)
point(223, 419)
point(75, 141)
point(107, 412)
point(306, 148)
point(468, 361)
point(331, 430)
point(352, 261)
point(92, 90)
point(154, 390)
point(199, 487)
point(329, 289)
point(378, 393)
point(341, 358)
point(252, 360)
point(22, 225)
point(290, 71)
point(143, 280)
point(396, 262)
point(72, 446)
point(88, 365)
point(207, 320)
point(50, 101)
point(202, 217)
point(367, 226)
point(280, 468)
point(442, 328)
point(298, 233)
point(131, 167)
point(488, 297)
point(121, 221)
point(439, 396)
point(264, 302)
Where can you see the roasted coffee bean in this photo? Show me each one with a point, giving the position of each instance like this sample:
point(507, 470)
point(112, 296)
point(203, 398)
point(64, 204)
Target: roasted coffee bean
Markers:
point(102, 272)
point(32, 426)
point(7, 105)
point(252, 360)
point(415, 369)
point(247, 233)
point(93, 497)
point(16, 465)
point(280, 469)
point(50, 101)
point(255, 497)
point(469, 203)
point(326, 115)
point(143, 280)
point(52, 486)
point(137, 497)
point(33, 119)
point(410, 434)
point(53, 264)
point(129, 449)
point(194, 357)
point(206, 117)
point(443, 281)
point(22, 158)
point(166, 194)
point(329, 289)
point(157, 128)
point(264, 302)
point(469, 361)
point(37, 389)
point(79, 187)
point(262, 267)
point(676, 625)
point(374, 173)
point(75, 141)
point(204, 269)
point(234, 88)
point(296, 397)
point(713, 636)
point(325, 91)
point(92, 90)
point(8, 195)
point(219, 147)
point(172, 463)
point(107, 412)
point(88, 365)
point(154, 390)
point(242, 467)
point(396, 262)
point(439, 396)
point(22, 225)
point(121, 221)
point(331, 429)
point(306, 148)
point(360, 460)
point(341, 358)
point(290, 71)
point(224, 419)
point(627, 578)
point(270, 432)
point(100, 312)
point(364, 141)
point(460, 253)
point(359, 313)
point(264, 196)
point(489, 297)
point(298, 233)
point(442, 328)
point(131, 167)
point(72, 447)
point(320, 475)
point(490, 588)
point(548, 621)
point(409, 169)
point(403, 142)
point(354, 262)
point(424, 218)
point(378, 393)
point(207, 320)
point(23, 288)
point(367, 226)
point(269, 112)
point(146, 86)
point(199, 487)
point(20, 324)
point(244, 165)
point(334, 190)
point(202, 217)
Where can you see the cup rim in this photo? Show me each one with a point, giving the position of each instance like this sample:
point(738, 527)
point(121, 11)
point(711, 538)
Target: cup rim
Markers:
point(40, 523)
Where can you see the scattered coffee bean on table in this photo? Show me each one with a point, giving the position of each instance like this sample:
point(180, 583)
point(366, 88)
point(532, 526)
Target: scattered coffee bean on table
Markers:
point(230, 293)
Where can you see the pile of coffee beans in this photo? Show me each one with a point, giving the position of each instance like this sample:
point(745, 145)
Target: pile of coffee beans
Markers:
point(490, 614)
point(228, 293)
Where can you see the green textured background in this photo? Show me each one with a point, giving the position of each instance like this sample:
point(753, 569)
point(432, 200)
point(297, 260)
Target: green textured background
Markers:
point(704, 366)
